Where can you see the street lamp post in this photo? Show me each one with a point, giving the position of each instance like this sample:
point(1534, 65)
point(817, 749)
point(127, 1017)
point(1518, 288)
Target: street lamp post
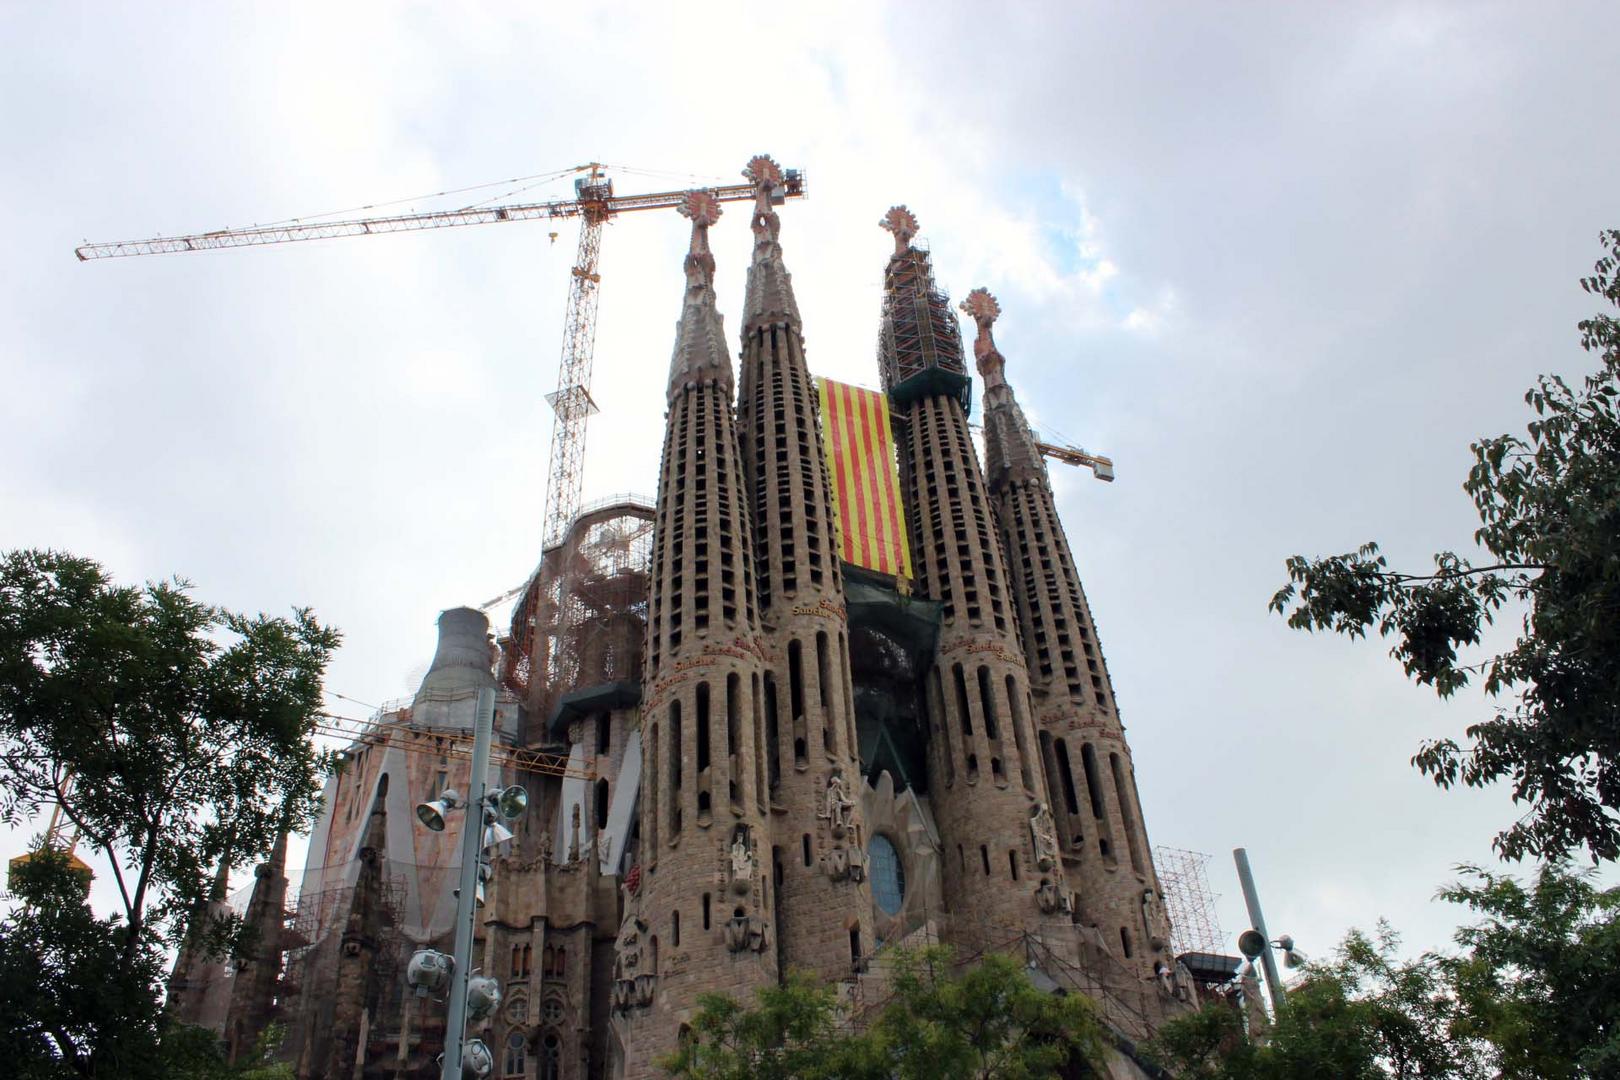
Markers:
point(1256, 943)
point(472, 857)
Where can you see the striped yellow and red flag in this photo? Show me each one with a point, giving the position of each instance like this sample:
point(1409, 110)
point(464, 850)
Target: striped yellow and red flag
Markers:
point(866, 485)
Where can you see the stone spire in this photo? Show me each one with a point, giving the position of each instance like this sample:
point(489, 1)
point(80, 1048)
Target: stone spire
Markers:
point(1009, 444)
point(985, 779)
point(1090, 781)
point(258, 971)
point(770, 287)
point(704, 912)
point(811, 745)
point(700, 335)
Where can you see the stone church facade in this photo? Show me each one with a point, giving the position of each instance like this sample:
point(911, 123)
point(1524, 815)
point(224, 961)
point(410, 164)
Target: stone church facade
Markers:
point(755, 757)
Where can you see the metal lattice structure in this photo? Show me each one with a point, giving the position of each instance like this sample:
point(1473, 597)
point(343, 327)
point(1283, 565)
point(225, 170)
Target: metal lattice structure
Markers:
point(1189, 901)
point(582, 619)
point(594, 204)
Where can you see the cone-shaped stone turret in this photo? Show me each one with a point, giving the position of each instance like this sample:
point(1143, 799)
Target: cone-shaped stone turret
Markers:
point(702, 915)
point(1000, 870)
point(462, 660)
point(700, 335)
point(258, 971)
point(811, 745)
point(1090, 783)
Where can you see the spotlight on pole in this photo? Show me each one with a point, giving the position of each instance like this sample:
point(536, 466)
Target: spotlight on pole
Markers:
point(483, 997)
point(477, 1063)
point(495, 834)
point(429, 971)
point(512, 802)
point(433, 812)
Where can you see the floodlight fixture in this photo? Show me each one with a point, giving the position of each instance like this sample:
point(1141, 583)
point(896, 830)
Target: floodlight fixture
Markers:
point(433, 812)
point(495, 834)
point(512, 801)
point(429, 971)
point(477, 1063)
point(483, 997)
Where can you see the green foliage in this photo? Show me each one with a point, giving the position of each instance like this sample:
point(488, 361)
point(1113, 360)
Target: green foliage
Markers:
point(1549, 510)
point(1534, 994)
point(175, 736)
point(1366, 1015)
point(1540, 977)
point(184, 728)
point(988, 1021)
point(72, 1001)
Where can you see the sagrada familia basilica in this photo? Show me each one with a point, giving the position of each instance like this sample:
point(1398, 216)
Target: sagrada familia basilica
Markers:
point(837, 689)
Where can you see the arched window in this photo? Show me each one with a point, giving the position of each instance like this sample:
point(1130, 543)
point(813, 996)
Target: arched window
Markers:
point(528, 960)
point(517, 961)
point(550, 1057)
point(517, 1055)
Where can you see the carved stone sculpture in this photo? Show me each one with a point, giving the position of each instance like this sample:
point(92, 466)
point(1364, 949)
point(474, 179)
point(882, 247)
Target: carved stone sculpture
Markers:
point(838, 805)
point(1043, 833)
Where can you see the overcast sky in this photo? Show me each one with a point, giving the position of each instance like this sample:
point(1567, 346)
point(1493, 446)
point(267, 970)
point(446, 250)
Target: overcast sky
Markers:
point(1282, 262)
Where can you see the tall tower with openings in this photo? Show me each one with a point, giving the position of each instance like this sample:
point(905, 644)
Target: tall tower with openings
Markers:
point(999, 869)
point(700, 916)
point(1091, 785)
point(823, 909)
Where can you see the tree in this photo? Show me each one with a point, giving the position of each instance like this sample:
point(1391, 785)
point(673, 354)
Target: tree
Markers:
point(1540, 978)
point(71, 1004)
point(175, 736)
point(185, 729)
point(1532, 994)
point(1549, 510)
point(988, 1021)
point(1366, 1015)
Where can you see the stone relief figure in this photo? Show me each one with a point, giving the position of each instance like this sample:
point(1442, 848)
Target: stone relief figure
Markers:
point(1050, 898)
point(838, 804)
point(746, 933)
point(742, 861)
point(573, 845)
point(1043, 833)
point(1153, 918)
point(634, 975)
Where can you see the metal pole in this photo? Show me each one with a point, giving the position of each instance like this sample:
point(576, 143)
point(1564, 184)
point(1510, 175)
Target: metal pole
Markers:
point(472, 845)
point(1252, 899)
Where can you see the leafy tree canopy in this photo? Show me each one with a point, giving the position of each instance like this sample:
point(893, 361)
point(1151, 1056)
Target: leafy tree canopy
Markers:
point(174, 734)
point(985, 1021)
point(176, 737)
point(1533, 994)
point(1549, 510)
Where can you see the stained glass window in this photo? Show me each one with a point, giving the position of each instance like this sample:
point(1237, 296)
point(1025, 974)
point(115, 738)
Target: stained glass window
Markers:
point(888, 875)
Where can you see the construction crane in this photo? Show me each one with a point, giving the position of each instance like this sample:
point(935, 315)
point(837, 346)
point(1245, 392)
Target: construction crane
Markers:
point(594, 204)
point(1102, 468)
point(56, 838)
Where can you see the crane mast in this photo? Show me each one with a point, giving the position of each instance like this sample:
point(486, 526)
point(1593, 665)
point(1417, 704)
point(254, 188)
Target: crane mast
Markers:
point(571, 402)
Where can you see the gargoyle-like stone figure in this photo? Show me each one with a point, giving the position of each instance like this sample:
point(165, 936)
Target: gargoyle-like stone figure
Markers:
point(746, 933)
point(845, 864)
point(742, 861)
point(633, 977)
point(1153, 918)
point(1043, 833)
point(1050, 898)
point(837, 805)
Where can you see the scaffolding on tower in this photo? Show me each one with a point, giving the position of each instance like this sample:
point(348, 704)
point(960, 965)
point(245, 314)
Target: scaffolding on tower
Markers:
point(1195, 926)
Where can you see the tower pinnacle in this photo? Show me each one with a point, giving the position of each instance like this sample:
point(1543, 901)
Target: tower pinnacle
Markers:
point(700, 351)
point(903, 224)
point(983, 309)
point(769, 300)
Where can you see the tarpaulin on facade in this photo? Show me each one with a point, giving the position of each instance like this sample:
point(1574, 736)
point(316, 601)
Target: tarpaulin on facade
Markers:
point(866, 485)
